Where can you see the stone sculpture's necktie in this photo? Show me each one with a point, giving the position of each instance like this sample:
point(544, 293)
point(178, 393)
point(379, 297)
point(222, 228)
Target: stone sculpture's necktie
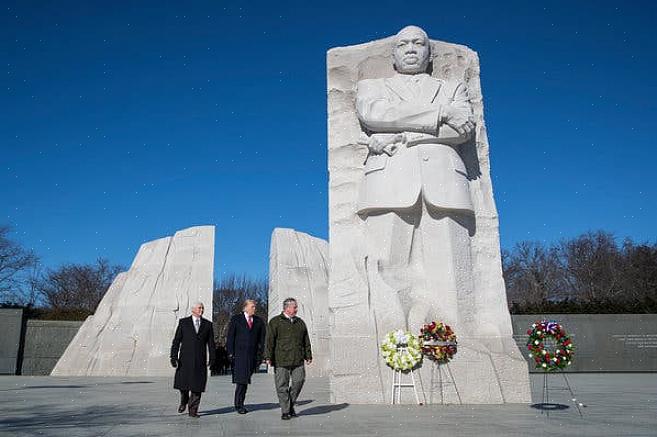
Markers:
point(413, 84)
point(250, 322)
point(197, 324)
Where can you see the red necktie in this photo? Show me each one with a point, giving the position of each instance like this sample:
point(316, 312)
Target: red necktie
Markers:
point(250, 322)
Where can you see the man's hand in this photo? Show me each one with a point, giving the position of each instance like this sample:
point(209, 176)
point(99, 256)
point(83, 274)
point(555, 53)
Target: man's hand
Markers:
point(174, 362)
point(458, 120)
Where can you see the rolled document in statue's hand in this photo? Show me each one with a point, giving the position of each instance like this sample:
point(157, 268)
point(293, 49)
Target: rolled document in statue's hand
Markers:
point(383, 143)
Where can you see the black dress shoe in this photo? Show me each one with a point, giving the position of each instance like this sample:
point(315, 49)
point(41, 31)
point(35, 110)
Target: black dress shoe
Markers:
point(182, 408)
point(292, 412)
point(194, 414)
point(285, 416)
point(242, 410)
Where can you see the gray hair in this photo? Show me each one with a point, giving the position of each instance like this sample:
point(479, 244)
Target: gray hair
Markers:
point(289, 301)
point(198, 303)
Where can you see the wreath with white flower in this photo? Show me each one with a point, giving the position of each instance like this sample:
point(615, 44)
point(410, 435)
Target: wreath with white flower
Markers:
point(550, 345)
point(401, 350)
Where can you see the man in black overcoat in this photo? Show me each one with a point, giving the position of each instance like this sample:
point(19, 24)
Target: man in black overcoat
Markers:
point(245, 344)
point(189, 351)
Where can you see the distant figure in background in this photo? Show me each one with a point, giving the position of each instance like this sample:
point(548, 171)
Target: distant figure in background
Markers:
point(221, 361)
point(216, 364)
point(194, 338)
point(288, 345)
point(245, 343)
point(228, 365)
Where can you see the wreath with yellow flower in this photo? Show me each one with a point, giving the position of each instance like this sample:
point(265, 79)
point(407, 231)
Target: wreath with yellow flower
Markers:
point(401, 350)
point(438, 342)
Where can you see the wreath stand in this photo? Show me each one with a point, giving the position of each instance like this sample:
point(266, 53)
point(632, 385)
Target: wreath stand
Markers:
point(546, 406)
point(448, 378)
point(397, 386)
point(445, 378)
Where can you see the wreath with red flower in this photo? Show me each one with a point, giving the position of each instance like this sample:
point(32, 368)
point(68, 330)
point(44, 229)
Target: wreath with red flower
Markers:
point(550, 346)
point(438, 342)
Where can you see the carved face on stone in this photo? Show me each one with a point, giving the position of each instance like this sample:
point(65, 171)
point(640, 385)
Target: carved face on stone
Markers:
point(411, 51)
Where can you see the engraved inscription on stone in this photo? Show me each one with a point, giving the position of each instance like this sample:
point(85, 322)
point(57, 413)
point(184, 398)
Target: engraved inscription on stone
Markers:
point(639, 341)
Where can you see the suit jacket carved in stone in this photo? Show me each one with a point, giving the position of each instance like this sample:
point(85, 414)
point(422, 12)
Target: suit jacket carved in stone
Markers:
point(424, 159)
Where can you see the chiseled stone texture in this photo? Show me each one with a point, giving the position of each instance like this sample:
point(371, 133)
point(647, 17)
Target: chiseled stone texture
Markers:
point(488, 367)
point(298, 268)
point(131, 331)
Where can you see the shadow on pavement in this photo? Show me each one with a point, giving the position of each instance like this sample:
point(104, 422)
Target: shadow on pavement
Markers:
point(250, 407)
point(550, 406)
point(322, 409)
point(61, 417)
point(224, 410)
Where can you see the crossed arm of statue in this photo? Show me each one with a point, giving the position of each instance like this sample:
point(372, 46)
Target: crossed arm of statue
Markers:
point(392, 125)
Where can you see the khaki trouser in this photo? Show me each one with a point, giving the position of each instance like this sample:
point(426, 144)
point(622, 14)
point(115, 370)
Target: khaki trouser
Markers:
point(288, 393)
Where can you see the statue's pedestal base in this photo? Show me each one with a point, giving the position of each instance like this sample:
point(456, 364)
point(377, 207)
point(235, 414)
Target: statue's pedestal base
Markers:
point(487, 370)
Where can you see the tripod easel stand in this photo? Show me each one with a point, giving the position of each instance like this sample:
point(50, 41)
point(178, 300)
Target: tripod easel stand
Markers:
point(546, 394)
point(397, 386)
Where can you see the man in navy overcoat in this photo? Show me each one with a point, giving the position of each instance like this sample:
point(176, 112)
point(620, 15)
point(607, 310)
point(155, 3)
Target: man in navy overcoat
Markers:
point(245, 344)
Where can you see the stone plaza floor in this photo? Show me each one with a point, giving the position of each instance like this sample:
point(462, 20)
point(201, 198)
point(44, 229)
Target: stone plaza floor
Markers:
point(616, 404)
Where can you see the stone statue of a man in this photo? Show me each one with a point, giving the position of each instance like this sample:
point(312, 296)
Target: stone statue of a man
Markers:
point(415, 197)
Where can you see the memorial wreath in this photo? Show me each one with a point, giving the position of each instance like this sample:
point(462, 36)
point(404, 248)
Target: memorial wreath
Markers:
point(401, 350)
point(549, 345)
point(438, 342)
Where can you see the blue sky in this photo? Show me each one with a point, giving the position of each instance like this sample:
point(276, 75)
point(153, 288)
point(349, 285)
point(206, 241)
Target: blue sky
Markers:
point(126, 121)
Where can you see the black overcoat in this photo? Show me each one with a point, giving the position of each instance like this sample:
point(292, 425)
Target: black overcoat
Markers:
point(246, 346)
point(192, 370)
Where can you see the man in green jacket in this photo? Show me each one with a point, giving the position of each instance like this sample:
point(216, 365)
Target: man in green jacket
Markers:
point(288, 346)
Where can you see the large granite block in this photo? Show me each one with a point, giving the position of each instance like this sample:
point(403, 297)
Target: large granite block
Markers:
point(413, 227)
point(131, 331)
point(298, 268)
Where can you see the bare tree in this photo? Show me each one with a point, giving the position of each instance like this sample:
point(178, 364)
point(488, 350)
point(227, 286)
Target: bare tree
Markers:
point(77, 286)
point(532, 273)
point(591, 273)
point(17, 266)
point(639, 272)
point(593, 265)
point(229, 295)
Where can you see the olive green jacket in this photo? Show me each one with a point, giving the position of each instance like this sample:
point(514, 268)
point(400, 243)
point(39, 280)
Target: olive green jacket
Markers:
point(288, 343)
